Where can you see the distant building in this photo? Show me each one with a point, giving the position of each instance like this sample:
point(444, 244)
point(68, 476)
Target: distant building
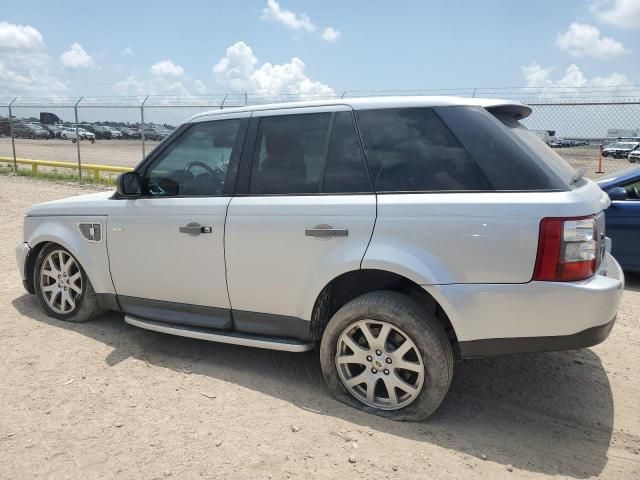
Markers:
point(623, 133)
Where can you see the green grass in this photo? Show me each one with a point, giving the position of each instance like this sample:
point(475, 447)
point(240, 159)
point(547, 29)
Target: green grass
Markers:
point(56, 175)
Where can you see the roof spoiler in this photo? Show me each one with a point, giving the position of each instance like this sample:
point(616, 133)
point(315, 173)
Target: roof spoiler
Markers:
point(517, 111)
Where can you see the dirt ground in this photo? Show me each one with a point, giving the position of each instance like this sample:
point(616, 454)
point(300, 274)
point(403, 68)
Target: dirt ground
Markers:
point(128, 153)
point(107, 400)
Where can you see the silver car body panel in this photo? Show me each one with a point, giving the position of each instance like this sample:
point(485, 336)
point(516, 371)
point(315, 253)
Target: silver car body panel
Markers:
point(473, 252)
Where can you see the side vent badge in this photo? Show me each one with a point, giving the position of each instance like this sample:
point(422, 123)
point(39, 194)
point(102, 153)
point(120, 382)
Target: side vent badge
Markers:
point(91, 231)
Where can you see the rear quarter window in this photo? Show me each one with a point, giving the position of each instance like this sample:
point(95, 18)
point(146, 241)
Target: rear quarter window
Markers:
point(411, 149)
point(509, 155)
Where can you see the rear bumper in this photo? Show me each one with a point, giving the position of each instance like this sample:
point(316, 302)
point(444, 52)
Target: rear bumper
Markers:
point(494, 319)
point(505, 346)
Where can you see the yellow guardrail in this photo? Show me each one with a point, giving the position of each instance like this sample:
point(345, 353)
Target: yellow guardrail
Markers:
point(52, 163)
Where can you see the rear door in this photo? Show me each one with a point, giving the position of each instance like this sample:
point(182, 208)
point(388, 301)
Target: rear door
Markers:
point(303, 214)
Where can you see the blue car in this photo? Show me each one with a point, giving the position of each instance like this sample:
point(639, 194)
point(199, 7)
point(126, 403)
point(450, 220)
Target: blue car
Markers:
point(622, 218)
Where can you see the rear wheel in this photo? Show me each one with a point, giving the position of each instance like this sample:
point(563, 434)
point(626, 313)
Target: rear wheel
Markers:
point(62, 287)
point(386, 354)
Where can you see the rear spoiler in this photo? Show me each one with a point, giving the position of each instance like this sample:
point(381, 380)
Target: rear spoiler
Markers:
point(517, 111)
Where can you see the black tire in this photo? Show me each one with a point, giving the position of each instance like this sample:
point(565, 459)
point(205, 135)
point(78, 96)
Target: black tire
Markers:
point(421, 326)
point(86, 307)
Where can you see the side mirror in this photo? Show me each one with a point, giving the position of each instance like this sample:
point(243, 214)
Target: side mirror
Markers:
point(617, 193)
point(128, 185)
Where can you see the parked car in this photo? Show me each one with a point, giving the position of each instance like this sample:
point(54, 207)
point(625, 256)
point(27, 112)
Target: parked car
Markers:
point(152, 132)
point(69, 133)
point(130, 132)
point(99, 131)
point(634, 156)
point(86, 134)
point(54, 130)
point(620, 149)
point(115, 133)
point(622, 218)
point(441, 228)
point(5, 128)
point(29, 130)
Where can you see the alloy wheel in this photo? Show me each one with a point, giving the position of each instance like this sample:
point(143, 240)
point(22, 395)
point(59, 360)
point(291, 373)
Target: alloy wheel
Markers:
point(379, 364)
point(60, 281)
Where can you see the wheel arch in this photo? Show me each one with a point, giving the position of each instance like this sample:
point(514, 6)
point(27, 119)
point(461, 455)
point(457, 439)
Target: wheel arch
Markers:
point(91, 256)
point(349, 285)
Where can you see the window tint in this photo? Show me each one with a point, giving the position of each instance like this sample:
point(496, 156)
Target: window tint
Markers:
point(345, 171)
point(509, 155)
point(196, 162)
point(633, 191)
point(411, 149)
point(290, 154)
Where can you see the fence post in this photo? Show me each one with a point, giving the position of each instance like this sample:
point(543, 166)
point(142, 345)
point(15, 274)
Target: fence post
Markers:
point(223, 100)
point(142, 124)
point(246, 99)
point(13, 141)
point(75, 110)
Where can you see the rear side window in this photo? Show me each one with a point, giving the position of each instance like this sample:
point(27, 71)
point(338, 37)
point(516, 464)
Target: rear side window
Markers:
point(308, 153)
point(290, 154)
point(345, 171)
point(411, 149)
point(510, 156)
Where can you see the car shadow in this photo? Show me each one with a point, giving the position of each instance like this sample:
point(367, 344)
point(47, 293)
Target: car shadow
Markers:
point(632, 281)
point(536, 412)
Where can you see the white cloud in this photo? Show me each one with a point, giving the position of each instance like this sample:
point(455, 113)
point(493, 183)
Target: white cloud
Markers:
point(127, 51)
point(296, 21)
point(621, 13)
point(166, 78)
point(330, 34)
point(572, 82)
point(584, 40)
point(76, 58)
point(167, 68)
point(133, 85)
point(200, 87)
point(24, 64)
point(19, 37)
point(237, 71)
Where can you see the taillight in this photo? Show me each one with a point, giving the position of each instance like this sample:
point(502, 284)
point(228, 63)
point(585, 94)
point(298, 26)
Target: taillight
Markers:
point(567, 249)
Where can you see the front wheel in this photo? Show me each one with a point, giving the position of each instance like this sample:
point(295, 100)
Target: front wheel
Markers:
point(62, 286)
point(386, 354)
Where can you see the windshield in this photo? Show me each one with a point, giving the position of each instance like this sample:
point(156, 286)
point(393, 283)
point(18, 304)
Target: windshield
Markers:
point(622, 145)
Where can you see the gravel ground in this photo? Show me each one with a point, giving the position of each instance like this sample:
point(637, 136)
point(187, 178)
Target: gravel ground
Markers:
point(107, 400)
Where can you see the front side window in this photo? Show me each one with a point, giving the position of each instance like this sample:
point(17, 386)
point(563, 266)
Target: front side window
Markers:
point(411, 149)
point(196, 163)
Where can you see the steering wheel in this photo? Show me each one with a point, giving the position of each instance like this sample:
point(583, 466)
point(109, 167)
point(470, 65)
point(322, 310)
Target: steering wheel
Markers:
point(636, 193)
point(188, 168)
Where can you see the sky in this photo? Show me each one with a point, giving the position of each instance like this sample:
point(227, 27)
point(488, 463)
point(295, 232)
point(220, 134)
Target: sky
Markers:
point(309, 48)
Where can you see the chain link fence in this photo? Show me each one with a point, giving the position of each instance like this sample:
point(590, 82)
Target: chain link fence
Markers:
point(119, 131)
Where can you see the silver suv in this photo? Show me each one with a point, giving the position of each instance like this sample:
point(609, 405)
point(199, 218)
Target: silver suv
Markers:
point(397, 234)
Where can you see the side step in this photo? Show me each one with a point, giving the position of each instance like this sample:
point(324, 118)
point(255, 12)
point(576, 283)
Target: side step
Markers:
point(235, 338)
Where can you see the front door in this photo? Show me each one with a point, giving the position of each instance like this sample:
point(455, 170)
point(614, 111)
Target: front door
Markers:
point(166, 248)
point(623, 227)
point(303, 214)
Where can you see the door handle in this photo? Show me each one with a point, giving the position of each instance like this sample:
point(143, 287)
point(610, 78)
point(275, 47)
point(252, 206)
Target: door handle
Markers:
point(194, 229)
point(326, 231)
